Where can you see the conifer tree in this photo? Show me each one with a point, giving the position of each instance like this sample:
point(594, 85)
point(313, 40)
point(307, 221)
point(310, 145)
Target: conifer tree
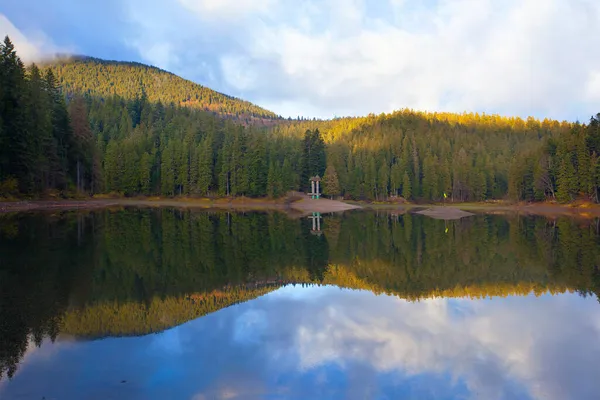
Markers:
point(406, 186)
point(331, 184)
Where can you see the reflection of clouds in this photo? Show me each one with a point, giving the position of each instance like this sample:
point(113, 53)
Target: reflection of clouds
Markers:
point(323, 342)
point(250, 326)
point(168, 342)
point(549, 345)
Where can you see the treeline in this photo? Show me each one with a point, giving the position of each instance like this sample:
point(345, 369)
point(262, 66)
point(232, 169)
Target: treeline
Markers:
point(43, 145)
point(105, 144)
point(565, 168)
point(126, 130)
point(421, 156)
point(148, 148)
point(87, 75)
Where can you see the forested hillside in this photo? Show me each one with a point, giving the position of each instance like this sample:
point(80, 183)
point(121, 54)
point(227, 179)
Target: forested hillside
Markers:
point(101, 78)
point(420, 155)
point(133, 130)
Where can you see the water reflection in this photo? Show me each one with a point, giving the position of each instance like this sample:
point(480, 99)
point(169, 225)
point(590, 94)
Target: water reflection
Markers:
point(81, 293)
point(323, 342)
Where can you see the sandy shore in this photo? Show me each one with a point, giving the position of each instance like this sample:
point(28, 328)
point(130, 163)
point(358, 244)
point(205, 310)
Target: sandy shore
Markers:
point(321, 205)
point(446, 213)
point(302, 206)
point(305, 205)
point(541, 209)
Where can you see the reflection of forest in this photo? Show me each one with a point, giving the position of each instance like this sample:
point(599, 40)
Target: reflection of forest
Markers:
point(132, 272)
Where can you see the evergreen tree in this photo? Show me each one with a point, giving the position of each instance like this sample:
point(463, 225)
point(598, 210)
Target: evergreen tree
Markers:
point(14, 154)
point(59, 148)
point(331, 184)
point(406, 186)
point(81, 153)
point(313, 157)
point(204, 166)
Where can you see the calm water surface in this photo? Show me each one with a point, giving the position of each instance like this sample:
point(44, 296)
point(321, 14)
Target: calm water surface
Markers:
point(170, 304)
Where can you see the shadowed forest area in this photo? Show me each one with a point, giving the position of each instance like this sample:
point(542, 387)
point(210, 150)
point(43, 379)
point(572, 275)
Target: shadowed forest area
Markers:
point(84, 126)
point(129, 272)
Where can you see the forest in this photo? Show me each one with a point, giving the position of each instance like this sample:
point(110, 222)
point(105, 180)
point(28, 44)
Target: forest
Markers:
point(136, 271)
point(82, 126)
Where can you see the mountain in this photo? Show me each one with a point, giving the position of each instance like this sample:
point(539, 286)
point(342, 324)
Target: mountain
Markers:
point(94, 76)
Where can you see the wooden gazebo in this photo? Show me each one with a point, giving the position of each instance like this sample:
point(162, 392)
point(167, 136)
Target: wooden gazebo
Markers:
point(315, 192)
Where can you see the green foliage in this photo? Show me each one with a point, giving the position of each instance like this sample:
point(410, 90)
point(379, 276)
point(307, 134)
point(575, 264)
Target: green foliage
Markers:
point(313, 157)
point(406, 186)
point(468, 156)
point(87, 75)
point(38, 146)
point(9, 187)
point(133, 129)
point(331, 184)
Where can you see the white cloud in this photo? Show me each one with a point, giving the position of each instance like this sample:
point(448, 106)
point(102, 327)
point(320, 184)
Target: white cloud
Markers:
point(513, 57)
point(287, 343)
point(339, 57)
point(493, 346)
point(592, 91)
point(227, 9)
point(27, 50)
point(32, 47)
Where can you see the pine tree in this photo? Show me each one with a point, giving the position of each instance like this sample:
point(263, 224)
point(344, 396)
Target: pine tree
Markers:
point(82, 150)
point(313, 157)
point(168, 170)
point(39, 131)
point(59, 148)
point(396, 177)
point(14, 154)
point(205, 165)
point(331, 184)
point(583, 166)
point(274, 180)
point(406, 186)
point(566, 182)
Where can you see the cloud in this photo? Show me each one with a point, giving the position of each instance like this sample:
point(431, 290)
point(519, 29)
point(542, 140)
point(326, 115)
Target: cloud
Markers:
point(336, 57)
point(28, 50)
point(507, 348)
point(227, 9)
point(531, 57)
point(32, 46)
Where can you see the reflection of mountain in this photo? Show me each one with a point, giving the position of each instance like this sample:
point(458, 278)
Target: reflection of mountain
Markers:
point(134, 272)
point(133, 318)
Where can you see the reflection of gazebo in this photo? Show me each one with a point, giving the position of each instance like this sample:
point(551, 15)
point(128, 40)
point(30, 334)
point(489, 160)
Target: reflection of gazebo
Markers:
point(316, 224)
point(314, 185)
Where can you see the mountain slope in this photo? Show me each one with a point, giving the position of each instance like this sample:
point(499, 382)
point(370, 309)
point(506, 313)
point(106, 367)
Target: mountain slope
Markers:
point(126, 79)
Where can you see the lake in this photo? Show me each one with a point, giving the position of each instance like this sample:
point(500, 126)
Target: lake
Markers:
point(172, 304)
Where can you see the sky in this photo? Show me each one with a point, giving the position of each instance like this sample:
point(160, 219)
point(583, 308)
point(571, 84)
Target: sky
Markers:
point(326, 342)
point(327, 58)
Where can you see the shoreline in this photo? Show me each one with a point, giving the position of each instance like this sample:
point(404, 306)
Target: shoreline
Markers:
point(302, 205)
point(541, 209)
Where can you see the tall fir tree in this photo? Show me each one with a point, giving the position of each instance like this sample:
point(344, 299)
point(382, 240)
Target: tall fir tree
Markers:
point(331, 184)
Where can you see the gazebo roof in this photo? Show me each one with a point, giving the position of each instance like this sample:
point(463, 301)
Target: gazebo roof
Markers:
point(315, 178)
